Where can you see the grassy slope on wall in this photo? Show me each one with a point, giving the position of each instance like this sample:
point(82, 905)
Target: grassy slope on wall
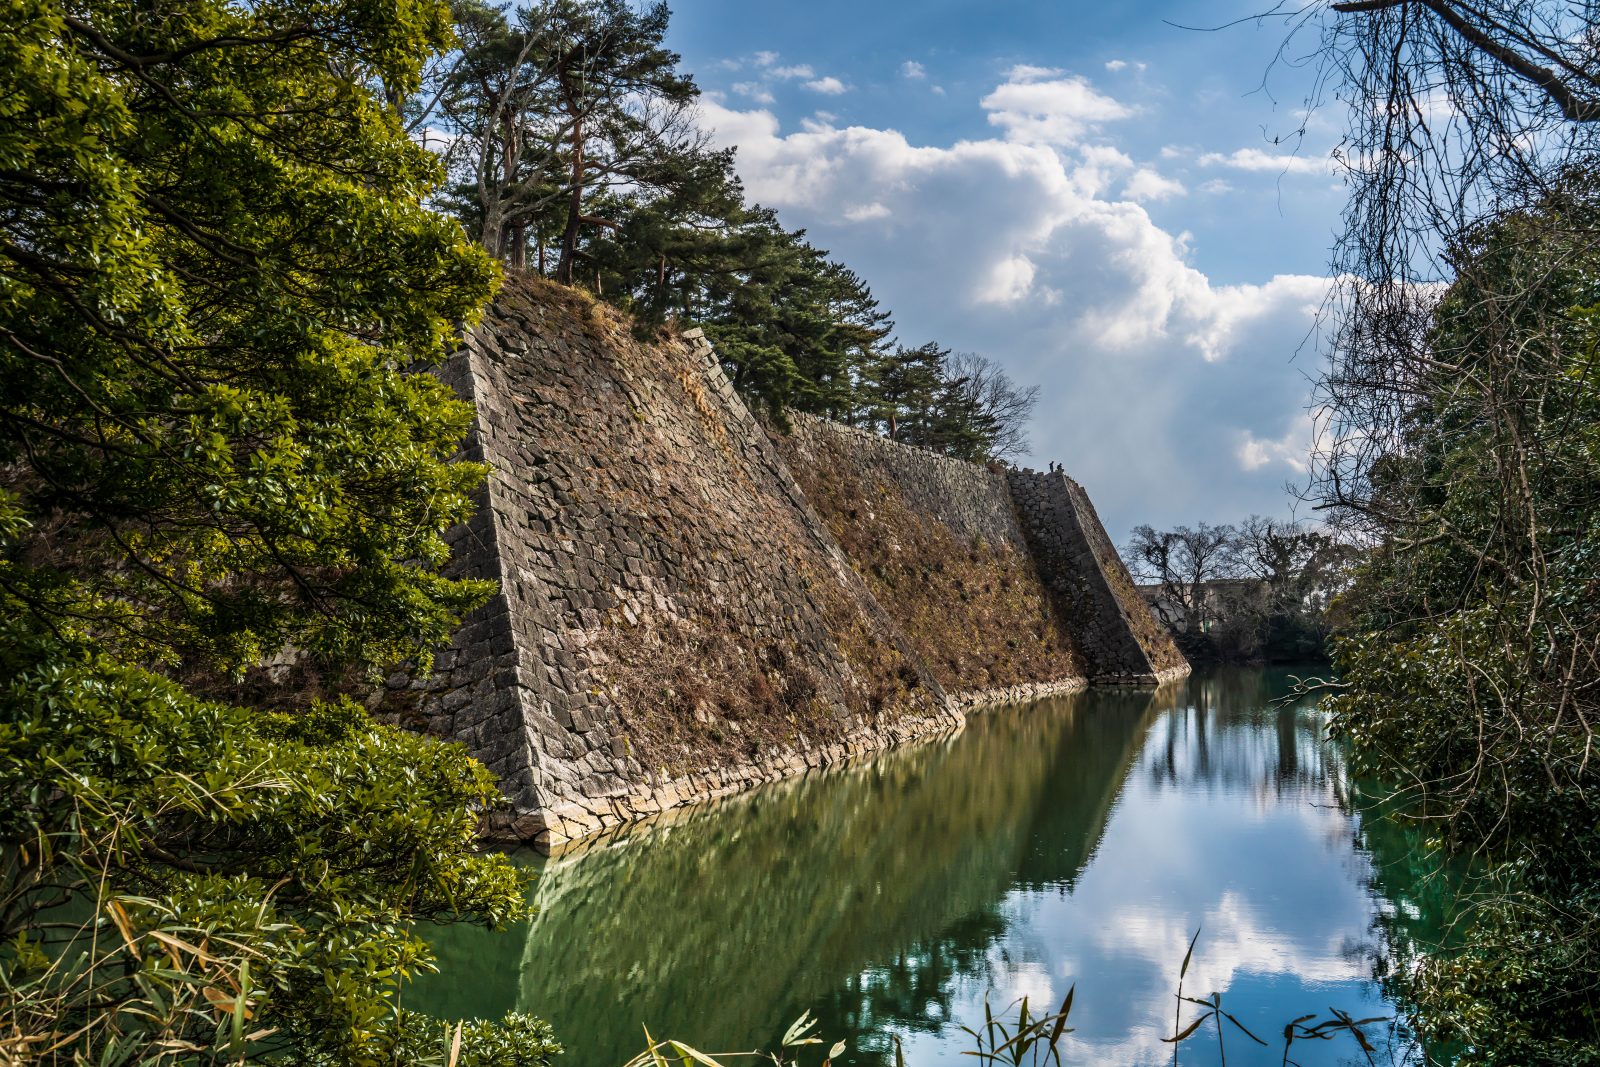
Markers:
point(972, 606)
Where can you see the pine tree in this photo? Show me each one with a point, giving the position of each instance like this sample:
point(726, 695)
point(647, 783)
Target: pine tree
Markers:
point(548, 107)
point(902, 390)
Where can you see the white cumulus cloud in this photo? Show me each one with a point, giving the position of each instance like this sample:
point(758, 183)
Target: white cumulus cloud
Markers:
point(1009, 280)
point(1147, 185)
point(829, 86)
point(754, 91)
point(1287, 453)
point(867, 212)
point(913, 70)
point(1038, 253)
point(1258, 160)
point(1041, 105)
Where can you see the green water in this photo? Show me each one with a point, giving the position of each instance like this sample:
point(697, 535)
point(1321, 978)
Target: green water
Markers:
point(1078, 840)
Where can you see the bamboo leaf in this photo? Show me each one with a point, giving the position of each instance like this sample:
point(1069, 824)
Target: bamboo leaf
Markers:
point(1187, 956)
point(241, 1010)
point(1061, 1016)
point(795, 1034)
point(1192, 1027)
point(176, 943)
point(694, 1054)
point(1242, 1027)
point(124, 927)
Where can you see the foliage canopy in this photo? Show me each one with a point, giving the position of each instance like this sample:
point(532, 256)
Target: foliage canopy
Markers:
point(570, 137)
point(217, 276)
point(1470, 662)
point(1459, 421)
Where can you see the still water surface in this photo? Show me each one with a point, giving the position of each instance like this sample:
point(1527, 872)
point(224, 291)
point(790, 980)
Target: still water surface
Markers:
point(1079, 840)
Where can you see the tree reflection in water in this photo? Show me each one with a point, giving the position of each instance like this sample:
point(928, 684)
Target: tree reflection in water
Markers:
point(888, 895)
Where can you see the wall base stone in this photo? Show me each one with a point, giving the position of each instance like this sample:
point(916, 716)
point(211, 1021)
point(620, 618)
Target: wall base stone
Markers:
point(571, 821)
point(575, 821)
point(1018, 694)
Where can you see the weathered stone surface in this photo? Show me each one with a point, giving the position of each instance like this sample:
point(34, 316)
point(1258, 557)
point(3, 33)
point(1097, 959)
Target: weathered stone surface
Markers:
point(1120, 638)
point(939, 543)
point(676, 621)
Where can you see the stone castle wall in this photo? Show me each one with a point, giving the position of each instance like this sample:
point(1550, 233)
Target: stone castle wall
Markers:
point(690, 604)
point(1091, 585)
point(941, 547)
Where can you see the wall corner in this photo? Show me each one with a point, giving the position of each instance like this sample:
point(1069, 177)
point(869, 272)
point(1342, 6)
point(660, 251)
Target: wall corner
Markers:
point(1121, 639)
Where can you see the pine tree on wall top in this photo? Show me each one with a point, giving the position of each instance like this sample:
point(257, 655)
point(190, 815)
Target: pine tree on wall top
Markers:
point(547, 108)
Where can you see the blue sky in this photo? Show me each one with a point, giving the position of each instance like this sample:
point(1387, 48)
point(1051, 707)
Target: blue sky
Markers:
point(1089, 196)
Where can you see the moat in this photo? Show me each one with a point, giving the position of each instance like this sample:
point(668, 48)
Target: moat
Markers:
point(1082, 839)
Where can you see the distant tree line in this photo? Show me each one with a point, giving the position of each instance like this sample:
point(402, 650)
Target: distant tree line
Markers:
point(1259, 591)
point(569, 136)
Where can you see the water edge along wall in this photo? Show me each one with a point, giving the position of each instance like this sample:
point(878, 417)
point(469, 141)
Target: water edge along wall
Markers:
point(692, 602)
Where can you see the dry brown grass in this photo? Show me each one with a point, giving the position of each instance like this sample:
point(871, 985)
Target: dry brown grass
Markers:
point(977, 613)
point(692, 696)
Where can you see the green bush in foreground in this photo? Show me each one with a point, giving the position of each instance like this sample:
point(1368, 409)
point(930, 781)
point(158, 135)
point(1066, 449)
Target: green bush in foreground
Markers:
point(1470, 669)
point(184, 876)
point(216, 274)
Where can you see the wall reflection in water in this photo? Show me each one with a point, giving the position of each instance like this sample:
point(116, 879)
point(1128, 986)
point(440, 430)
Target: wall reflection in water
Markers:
point(1080, 839)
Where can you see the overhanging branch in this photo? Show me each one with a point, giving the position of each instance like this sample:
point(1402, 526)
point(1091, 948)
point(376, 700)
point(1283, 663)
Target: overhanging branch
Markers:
point(1574, 107)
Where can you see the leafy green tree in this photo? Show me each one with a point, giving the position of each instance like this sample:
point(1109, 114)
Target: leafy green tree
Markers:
point(207, 298)
point(1458, 444)
point(671, 241)
point(1472, 657)
point(217, 280)
point(492, 105)
point(954, 424)
point(794, 329)
point(958, 404)
point(569, 120)
point(901, 390)
point(621, 94)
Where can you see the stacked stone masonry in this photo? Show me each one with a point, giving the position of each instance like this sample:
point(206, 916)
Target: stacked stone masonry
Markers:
point(939, 544)
point(677, 622)
point(1091, 584)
